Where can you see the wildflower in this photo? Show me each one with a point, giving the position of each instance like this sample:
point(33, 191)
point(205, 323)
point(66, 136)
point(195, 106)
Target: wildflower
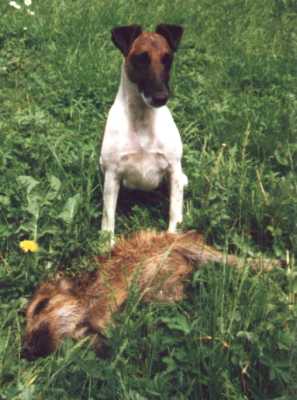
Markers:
point(30, 12)
point(14, 4)
point(29, 245)
point(27, 2)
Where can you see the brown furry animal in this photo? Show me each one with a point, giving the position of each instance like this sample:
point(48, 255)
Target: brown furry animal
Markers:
point(158, 262)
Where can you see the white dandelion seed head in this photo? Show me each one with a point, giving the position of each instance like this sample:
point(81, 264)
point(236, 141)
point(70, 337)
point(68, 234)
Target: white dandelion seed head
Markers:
point(27, 2)
point(14, 4)
point(30, 12)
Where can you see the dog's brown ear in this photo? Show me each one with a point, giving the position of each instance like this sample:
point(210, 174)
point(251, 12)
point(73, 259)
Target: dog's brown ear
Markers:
point(124, 36)
point(172, 33)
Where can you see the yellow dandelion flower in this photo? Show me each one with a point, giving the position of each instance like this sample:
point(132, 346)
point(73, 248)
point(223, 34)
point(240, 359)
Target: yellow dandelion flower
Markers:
point(29, 245)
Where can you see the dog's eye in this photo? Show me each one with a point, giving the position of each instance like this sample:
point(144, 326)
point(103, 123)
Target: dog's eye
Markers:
point(41, 306)
point(141, 59)
point(167, 60)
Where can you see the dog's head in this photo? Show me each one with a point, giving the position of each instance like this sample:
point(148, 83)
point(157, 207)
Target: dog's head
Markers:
point(54, 312)
point(148, 58)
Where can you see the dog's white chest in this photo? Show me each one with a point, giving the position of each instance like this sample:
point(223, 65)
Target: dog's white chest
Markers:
point(143, 170)
point(140, 149)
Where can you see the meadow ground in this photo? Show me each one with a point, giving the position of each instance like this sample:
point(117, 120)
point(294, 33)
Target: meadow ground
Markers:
point(235, 102)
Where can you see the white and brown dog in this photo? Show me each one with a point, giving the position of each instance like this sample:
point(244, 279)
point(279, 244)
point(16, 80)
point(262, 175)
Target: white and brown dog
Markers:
point(141, 143)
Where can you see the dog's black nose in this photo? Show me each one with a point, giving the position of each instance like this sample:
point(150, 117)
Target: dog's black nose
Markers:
point(159, 100)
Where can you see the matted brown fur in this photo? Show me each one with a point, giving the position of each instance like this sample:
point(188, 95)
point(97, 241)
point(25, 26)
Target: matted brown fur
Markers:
point(159, 262)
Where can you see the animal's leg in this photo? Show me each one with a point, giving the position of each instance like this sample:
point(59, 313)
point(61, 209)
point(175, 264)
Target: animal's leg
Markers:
point(110, 197)
point(177, 182)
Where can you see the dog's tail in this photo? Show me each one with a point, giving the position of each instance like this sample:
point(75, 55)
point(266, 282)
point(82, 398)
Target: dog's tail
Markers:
point(192, 247)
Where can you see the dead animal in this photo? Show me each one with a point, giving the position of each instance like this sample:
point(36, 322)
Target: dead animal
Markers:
point(160, 263)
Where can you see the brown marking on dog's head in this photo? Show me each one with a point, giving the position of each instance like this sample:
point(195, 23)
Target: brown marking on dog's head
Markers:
point(148, 58)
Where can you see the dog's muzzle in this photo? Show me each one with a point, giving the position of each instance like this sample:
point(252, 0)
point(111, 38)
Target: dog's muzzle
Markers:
point(159, 100)
point(155, 101)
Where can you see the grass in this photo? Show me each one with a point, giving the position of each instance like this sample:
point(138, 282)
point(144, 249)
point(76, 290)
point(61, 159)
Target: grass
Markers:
point(235, 102)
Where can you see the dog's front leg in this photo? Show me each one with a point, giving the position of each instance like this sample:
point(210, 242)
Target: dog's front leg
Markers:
point(110, 197)
point(177, 182)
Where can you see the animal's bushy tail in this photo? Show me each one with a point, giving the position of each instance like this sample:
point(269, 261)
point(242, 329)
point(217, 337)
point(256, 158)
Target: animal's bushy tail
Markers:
point(192, 246)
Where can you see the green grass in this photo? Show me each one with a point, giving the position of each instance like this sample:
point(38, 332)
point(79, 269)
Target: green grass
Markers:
point(235, 102)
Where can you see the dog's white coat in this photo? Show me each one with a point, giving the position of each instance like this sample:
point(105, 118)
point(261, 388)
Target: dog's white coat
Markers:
point(141, 146)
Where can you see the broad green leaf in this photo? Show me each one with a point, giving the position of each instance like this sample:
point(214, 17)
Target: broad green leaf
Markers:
point(70, 209)
point(28, 181)
point(179, 323)
point(4, 200)
point(55, 186)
